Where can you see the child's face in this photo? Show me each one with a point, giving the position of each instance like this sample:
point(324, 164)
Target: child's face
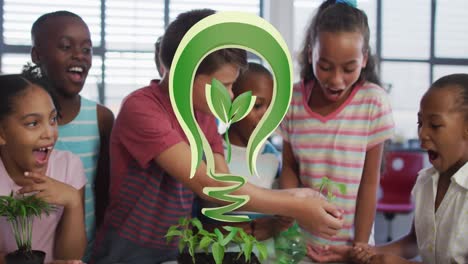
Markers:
point(337, 59)
point(226, 74)
point(65, 53)
point(442, 129)
point(261, 86)
point(29, 133)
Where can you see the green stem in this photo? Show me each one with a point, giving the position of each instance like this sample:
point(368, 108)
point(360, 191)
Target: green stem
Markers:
point(14, 224)
point(30, 222)
point(226, 138)
point(24, 231)
point(321, 187)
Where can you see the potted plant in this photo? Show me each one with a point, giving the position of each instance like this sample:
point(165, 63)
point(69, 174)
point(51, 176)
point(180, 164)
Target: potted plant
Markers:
point(210, 247)
point(20, 212)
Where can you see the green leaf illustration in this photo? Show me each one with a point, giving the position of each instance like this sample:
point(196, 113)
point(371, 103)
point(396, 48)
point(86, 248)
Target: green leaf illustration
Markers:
point(218, 100)
point(241, 106)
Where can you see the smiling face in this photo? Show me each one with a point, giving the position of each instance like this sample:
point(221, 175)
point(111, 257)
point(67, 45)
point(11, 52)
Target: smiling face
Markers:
point(28, 134)
point(443, 129)
point(226, 74)
point(63, 49)
point(337, 59)
point(261, 86)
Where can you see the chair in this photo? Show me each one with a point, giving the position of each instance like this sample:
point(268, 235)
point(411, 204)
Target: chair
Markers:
point(397, 181)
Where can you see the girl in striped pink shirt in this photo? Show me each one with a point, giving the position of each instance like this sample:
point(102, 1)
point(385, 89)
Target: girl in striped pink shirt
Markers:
point(338, 121)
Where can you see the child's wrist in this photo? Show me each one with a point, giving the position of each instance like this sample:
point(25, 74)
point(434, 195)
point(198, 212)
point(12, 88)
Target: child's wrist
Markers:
point(74, 201)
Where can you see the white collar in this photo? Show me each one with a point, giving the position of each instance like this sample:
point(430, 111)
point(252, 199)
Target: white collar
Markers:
point(460, 177)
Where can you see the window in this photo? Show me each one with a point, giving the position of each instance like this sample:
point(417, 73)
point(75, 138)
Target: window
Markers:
point(410, 79)
point(405, 31)
point(123, 34)
point(19, 15)
point(451, 31)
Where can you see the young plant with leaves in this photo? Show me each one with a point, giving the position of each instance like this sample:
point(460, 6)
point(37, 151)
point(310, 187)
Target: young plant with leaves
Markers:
point(194, 237)
point(20, 211)
point(328, 185)
point(226, 111)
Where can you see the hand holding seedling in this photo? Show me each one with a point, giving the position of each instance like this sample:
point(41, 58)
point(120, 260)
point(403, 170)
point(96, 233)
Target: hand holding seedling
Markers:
point(326, 223)
point(52, 191)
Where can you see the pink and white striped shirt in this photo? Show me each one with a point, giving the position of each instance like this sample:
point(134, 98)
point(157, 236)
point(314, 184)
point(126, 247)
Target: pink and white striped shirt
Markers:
point(335, 145)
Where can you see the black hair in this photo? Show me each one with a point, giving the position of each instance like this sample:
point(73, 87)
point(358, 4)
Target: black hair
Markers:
point(176, 31)
point(14, 85)
point(38, 25)
point(338, 17)
point(157, 56)
point(252, 68)
point(459, 81)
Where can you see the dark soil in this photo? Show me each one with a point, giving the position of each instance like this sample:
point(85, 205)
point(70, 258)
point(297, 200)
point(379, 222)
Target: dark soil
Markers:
point(22, 257)
point(203, 258)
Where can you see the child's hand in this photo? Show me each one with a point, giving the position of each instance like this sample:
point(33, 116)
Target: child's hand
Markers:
point(362, 253)
point(329, 253)
point(52, 191)
point(320, 218)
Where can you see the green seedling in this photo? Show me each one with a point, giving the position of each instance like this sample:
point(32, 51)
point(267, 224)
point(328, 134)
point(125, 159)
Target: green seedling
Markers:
point(328, 185)
point(226, 111)
point(20, 211)
point(193, 236)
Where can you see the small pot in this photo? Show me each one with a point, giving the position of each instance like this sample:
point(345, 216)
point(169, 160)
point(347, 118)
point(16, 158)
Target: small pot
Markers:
point(25, 257)
point(229, 258)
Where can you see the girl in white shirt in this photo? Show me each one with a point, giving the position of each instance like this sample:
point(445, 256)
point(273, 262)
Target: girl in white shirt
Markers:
point(440, 228)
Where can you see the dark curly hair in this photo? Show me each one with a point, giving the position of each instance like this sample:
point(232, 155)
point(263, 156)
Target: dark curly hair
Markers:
point(176, 31)
point(13, 85)
point(459, 81)
point(337, 17)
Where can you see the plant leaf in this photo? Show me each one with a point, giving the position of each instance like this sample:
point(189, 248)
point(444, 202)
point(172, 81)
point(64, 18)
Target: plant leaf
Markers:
point(205, 242)
point(197, 224)
point(219, 234)
point(172, 233)
point(342, 187)
point(218, 100)
point(218, 253)
point(262, 250)
point(192, 243)
point(229, 237)
point(241, 106)
point(248, 246)
point(181, 245)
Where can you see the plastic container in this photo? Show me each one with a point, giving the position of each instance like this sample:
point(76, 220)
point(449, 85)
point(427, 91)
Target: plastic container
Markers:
point(290, 246)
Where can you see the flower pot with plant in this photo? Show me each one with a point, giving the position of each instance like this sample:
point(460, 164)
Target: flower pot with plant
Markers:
point(198, 245)
point(20, 212)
